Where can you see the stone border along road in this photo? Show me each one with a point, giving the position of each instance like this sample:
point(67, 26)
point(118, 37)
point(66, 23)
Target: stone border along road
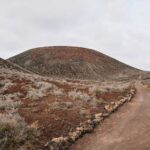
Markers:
point(128, 129)
point(62, 143)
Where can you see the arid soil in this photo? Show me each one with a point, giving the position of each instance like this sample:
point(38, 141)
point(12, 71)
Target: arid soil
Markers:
point(66, 93)
point(128, 129)
point(36, 109)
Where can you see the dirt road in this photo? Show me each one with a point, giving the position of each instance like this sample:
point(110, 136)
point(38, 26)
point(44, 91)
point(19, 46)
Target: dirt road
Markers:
point(127, 129)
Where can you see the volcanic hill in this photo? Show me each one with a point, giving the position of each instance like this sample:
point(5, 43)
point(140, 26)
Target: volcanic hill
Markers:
point(43, 113)
point(72, 62)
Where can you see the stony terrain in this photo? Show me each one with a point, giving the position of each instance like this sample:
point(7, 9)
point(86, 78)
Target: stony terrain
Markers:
point(34, 109)
point(128, 129)
point(53, 96)
point(73, 62)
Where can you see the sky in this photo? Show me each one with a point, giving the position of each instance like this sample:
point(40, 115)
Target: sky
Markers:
point(118, 28)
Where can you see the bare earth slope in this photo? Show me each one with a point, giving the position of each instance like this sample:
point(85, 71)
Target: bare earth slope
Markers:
point(72, 62)
point(128, 129)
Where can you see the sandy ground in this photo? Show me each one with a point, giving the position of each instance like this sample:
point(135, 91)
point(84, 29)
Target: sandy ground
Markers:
point(127, 129)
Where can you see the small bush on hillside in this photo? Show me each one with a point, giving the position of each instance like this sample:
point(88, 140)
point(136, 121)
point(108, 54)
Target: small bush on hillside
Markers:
point(41, 89)
point(57, 92)
point(9, 104)
point(79, 95)
point(14, 133)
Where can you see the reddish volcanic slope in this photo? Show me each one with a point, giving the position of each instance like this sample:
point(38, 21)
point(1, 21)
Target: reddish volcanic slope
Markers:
point(72, 62)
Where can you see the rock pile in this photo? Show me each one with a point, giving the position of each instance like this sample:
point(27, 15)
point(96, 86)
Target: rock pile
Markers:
point(62, 143)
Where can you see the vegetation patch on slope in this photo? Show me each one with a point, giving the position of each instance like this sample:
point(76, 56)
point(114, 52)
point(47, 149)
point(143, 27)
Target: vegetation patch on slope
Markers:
point(38, 109)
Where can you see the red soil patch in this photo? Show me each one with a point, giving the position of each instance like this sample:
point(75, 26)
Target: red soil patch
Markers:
point(23, 80)
point(57, 122)
point(16, 88)
point(64, 53)
point(65, 86)
point(51, 123)
point(110, 96)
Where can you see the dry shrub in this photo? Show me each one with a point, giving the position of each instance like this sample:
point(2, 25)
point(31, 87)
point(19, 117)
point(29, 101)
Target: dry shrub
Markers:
point(9, 104)
point(57, 92)
point(40, 89)
point(79, 95)
point(14, 133)
point(6, 84)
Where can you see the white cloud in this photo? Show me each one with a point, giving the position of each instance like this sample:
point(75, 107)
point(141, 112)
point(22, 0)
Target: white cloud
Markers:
point(119, 28)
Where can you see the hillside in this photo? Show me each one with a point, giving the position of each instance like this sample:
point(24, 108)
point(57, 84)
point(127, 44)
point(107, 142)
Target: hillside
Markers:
point(4, 64)
point(72, 62)
point(36, 111)
point(40, 112)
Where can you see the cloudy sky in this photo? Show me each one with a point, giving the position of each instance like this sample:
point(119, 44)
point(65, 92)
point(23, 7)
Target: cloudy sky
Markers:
point(119, 28)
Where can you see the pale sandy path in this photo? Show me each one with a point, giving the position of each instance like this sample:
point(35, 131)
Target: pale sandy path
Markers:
point(127, 129)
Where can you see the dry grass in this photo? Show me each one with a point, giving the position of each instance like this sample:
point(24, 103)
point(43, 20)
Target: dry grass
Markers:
point(49, 106)
point(78, 95)
point(37, 90)
point(9, 104)
point(14, 133)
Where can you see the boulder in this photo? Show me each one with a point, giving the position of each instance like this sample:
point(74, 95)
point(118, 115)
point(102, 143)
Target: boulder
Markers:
point(58, 140)
point(97, 120)
point(97, 116)
point(109, 108)
point(80, 129)
point(105, 114)
point(75, 135)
